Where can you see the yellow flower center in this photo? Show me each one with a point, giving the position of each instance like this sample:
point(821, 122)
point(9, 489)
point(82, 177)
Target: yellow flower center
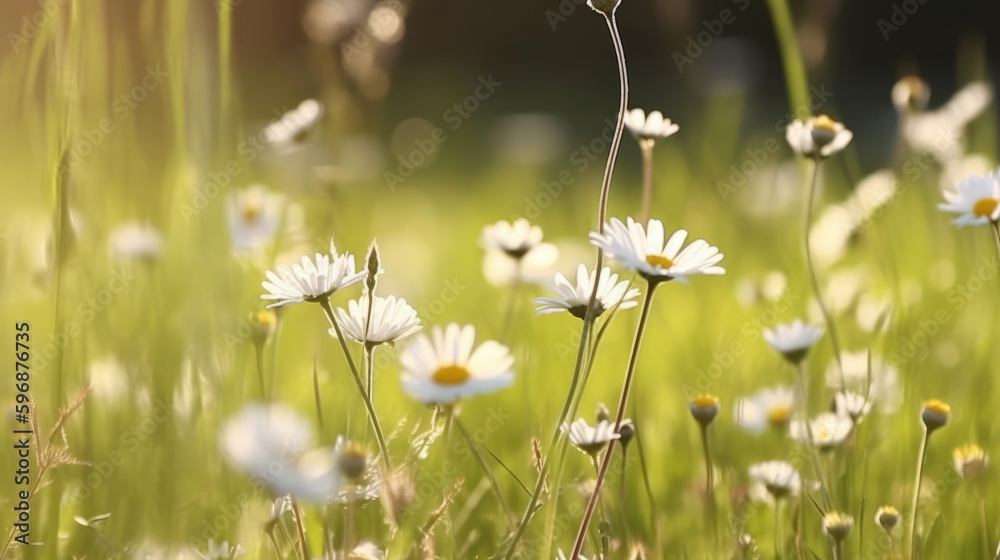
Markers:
point(889, 510)
point(705, 401)
point(251, 212)
point(984, 207)
point(779, 415)
point(264, 318)
point(660, 261)
point(938, 407)
point(451, 375)
point(823, 122)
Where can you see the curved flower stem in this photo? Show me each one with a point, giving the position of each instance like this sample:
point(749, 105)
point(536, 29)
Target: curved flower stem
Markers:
point(916, 492)
point(301, 529)
point(830, 325)
point(486, 468)
point(383, 451)
point(640, 329)
point(605, 541)
point(996, 236)
point(646, 148)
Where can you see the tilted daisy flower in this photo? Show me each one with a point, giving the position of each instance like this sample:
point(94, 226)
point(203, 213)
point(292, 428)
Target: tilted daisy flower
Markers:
point(254, 218)
point(977, 200)
point(649, 128)
point(837, 525)
point(590, 440)
point(311, 281)
point(391, 320)
point(971, 461)
point(294, 126)
point(271, 444)
point(887, 517)
point(793, 340)
point(778, 477)
point(828, 430)
point(136, 241)
point(817, 137)
point(770, 407)
point(446, 366)
point(515, 253)
point(852, 405)
point(575, 299)
point(655, 257)
point(514, 239)
point(883, 386)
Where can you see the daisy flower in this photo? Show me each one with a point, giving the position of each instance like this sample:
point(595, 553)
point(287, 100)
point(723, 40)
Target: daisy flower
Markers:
point(977, 200)
point(446, 366)
point(887, 517)
point(793, 340)
point(392, 319)
point(769, 407)
point(515, 253)
point(704, 408)
point(311, 281)
point(970, 461)
point(590, 440)
point(514, 239)
point(271, 443)
point(817, 136)
point(828, 430)
point(935, 414)
point(136, 241)
point(295, 125)
point(575, 299)
point(654, 259)
point(778, 477)
point(837, 525)
point(254, 217)
point(649, 128)
point(852, 405)
point(883, 388)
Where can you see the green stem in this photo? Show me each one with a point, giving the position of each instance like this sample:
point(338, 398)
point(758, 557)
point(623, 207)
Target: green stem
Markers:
point(916, 492)
point(383, 450)
point(810, 441)
point(622, 404)
point(301, 529)
point(489, 472)
point(646, 148)
point(795, 70)
point(777, 529)
point(830, 325)
point(259, 353)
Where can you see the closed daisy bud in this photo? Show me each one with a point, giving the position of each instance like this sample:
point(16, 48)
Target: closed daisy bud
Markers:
point(352, 458)
point(606, 7)
point(970, 461)
point(374, 266)
point(887, 517)
point(837, 525)
point(264, 323)
point(626, 432)
point(935, 414)
point(704, 408)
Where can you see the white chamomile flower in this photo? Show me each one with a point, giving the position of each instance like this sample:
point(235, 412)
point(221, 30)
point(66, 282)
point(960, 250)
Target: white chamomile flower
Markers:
point(852, 405)
point(311, 281)
point(262, 440)
point(882, 387)
point(649, 128)
point(391, 320)
point(514, 239)
point(837, 525)
point(446, 366)
point(793, 340)
point(817, 136)
point(977, 199)
point(590, 440)
point(294, 125)
point(655, 257)
point(136, 241)
point(779, 478)
point(254, 217)
point(828, 430)
point(971, 461)
point(770, 407)
point(575, 299)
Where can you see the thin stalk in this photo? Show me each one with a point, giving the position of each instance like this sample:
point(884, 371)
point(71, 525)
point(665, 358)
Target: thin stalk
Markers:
point(383, 450)
point(996, 236)
point(830, 325)
point(649, 495)
point(316, 395)
point(259, 353)
point(301, 529)
point(622, 404)
point(646, 148)
point(489, 473)
point(602, 513)
point(810, 441)
point(982, 520)
point(795, 71)
point(777, 529)
point(508, 316)
point(709, 484)
point(370, 375)
point(916, 492)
